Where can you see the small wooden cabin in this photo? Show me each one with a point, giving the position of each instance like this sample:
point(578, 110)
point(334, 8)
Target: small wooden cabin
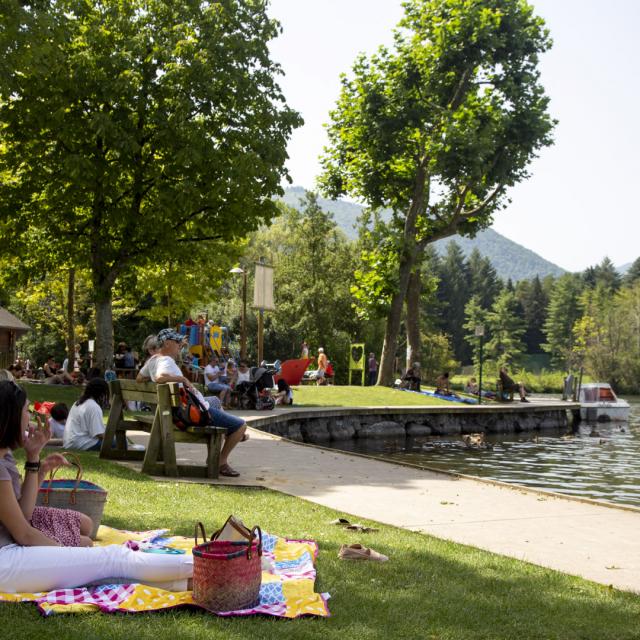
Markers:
point(10, 330)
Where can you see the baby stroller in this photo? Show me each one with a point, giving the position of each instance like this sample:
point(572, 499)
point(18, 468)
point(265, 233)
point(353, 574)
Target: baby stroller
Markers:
point(256, 394)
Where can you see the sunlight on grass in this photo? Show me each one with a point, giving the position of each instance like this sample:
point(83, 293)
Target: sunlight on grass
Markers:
point(430, 588)
point(334, 396)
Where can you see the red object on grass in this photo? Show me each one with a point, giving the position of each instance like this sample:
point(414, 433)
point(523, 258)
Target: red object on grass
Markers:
point(44, 407)
point(291, 371)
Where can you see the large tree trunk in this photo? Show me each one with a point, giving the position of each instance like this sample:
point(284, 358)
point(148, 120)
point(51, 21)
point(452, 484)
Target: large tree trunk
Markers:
point(71, 334)
point(413, 319)
point(392, 327)
point(102, 285)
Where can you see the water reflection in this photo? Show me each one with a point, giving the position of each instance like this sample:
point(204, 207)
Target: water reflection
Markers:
point(601, 461)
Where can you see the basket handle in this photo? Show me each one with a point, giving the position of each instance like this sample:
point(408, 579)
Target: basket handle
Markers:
point(199, 526)
point(253, 537)
point(73, 459)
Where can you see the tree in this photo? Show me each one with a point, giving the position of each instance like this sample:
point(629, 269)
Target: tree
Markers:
point(534, 303)
point(131, 127)
point(475, 315)
point(483, 279)
point(439, 127)
point(633, 274)
point(453, 293)
point(604, 274)
point(563, 312)
point(506, 329)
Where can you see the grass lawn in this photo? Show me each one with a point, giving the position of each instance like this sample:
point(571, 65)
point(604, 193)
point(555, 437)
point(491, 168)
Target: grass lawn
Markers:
point(306, 396)
point(337, 396)
point(430, 589)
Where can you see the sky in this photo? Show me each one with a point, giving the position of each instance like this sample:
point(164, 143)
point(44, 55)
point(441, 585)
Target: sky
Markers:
point(580, 203)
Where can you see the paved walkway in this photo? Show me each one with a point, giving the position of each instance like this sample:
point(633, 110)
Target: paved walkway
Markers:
point(580, 538)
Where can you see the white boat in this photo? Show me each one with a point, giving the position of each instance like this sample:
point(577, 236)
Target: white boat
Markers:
point(599, 403)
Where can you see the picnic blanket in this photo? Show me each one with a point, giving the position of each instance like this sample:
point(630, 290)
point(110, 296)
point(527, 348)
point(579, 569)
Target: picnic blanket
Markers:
point(286, 590)
point(432, 394)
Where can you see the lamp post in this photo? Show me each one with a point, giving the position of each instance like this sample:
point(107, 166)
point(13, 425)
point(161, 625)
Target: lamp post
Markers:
point(480, 334)
point(243, 329)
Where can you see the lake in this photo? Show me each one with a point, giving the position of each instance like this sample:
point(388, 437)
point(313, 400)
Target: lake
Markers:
point(600, 461)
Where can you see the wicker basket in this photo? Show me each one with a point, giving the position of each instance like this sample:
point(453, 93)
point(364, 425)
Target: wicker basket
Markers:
point(76, 494)
point(227, 573)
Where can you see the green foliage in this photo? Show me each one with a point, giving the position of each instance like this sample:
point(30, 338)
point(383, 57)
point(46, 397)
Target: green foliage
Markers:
point(506, 329)
point(313, 263)
point(603, 275)
point(475, 315)
point(607, 336)
point(534, 303)
point(129, 127)
point(437, 356)
point(563, 311)
point(633, 273)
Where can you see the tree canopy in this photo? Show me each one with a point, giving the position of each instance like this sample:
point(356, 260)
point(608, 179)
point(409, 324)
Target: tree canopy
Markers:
point(130, 127)
point(437, 128)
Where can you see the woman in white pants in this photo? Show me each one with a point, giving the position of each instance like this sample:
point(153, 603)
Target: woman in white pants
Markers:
point(31, 561)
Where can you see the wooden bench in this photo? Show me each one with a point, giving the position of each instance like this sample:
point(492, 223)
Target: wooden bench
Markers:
point(159, 458)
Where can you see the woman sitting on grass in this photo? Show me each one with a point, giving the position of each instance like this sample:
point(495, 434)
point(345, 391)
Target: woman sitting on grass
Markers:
point(284, 395)
point(40, 547)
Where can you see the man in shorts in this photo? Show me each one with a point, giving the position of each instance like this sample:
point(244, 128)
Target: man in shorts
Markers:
point(165, 369)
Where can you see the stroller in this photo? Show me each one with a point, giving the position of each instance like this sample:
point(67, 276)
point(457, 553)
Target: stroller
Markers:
point(256, 394)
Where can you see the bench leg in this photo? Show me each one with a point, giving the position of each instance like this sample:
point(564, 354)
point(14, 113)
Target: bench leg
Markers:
point(214, 444)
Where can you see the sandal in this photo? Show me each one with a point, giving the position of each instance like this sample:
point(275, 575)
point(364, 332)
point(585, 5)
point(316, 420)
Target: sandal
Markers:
point(226, 470)
point(358, 552)
point(361, 528)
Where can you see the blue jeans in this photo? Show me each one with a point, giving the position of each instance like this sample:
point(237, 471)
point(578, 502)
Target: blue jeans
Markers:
point(217, 387)
point(220, 418)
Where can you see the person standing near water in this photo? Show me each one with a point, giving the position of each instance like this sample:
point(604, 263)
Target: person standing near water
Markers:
point(372, 366)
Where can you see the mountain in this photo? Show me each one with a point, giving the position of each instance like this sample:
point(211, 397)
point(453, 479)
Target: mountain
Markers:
point(622, 269)
point(509, 259)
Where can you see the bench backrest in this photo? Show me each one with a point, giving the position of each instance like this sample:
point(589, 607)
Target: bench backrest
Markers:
point(145, 391)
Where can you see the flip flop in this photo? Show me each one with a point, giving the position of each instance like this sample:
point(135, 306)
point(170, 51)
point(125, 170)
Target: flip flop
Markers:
point(226, 470)
point(340, 521)
point(358, 552)
point(361, 528)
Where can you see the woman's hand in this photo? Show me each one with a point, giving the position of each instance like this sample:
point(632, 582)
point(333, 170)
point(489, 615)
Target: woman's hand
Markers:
point(36, 438)
point(51, 462)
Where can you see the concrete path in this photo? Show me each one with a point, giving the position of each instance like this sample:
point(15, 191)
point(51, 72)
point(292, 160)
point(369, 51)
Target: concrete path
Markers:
point(582, 538)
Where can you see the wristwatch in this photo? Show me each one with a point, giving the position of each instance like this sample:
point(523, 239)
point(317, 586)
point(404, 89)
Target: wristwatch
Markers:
point(33, 467)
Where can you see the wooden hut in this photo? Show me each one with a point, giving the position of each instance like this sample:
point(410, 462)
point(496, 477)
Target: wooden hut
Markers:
point(10, 330)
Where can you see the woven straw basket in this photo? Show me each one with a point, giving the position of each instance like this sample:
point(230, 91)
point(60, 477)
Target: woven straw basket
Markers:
point(76, 494)
point(227, 573)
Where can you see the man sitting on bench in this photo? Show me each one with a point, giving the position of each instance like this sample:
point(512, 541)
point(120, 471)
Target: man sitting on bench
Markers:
point(165, 369)
point(509, 385)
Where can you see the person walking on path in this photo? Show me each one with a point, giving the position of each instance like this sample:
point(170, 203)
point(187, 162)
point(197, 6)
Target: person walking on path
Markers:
point(372, 366)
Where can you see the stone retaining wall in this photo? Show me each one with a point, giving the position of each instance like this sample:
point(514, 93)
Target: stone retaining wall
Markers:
point(321, 427)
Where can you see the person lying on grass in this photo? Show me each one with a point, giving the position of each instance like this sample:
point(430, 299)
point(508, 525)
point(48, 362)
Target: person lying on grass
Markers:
point(42, 549)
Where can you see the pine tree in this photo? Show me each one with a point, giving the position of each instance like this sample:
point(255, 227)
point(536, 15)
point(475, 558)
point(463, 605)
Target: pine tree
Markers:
point(633, 274)
point(483, 279)
point(453, 292)
point(563, 311)
point(506, 328)
point(534, 302)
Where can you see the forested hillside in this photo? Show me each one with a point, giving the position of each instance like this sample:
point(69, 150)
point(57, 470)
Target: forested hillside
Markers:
point(509, 259)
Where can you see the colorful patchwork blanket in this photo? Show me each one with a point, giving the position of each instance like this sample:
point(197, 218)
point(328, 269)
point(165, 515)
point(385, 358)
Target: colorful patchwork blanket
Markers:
point(286, 590)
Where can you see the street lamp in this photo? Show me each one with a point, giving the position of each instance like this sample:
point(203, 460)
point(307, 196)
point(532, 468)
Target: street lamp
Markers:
point(243, 330)
point(480, 334)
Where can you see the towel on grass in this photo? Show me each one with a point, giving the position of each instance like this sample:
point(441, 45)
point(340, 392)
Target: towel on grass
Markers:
point(286, 592)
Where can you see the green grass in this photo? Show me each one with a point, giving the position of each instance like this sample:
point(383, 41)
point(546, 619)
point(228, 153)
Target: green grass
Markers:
point(307, 396)
point(430, 588)
point(338, 396)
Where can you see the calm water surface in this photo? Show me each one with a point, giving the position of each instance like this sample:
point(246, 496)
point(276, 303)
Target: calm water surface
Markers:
point(604, 465)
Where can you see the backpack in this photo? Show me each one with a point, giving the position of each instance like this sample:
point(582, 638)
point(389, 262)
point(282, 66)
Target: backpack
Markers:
point(190, 412)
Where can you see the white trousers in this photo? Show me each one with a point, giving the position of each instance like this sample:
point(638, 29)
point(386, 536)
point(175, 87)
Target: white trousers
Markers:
point(35, 569)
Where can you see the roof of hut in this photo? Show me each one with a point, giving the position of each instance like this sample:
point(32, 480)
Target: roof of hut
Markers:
point(9, 321)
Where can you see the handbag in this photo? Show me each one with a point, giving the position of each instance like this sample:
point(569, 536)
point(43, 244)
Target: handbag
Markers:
point(227, 573)
point(76, 494)
point(190, 412)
